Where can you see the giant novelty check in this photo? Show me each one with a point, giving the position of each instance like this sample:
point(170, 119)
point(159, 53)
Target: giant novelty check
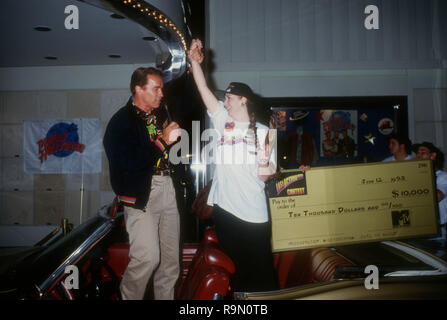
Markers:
point(329, 206)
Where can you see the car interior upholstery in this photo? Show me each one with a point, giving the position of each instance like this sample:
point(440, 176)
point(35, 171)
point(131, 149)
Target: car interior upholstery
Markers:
point(207, 269)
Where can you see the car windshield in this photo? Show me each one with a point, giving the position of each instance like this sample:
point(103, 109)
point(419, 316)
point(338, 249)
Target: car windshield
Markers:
point(55, 253)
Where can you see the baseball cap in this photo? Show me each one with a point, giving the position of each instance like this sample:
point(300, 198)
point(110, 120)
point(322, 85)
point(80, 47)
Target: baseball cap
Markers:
point(240, 89)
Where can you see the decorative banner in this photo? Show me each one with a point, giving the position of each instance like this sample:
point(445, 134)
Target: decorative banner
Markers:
point(329, 206)
point(62, 146)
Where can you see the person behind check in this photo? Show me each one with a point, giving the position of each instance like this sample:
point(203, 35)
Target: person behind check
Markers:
point(400, 148)
point(426, 150)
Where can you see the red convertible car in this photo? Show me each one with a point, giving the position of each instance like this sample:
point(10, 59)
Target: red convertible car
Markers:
point(99, 250)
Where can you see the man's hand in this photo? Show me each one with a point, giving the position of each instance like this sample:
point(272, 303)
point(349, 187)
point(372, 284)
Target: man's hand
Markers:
point(171, 133)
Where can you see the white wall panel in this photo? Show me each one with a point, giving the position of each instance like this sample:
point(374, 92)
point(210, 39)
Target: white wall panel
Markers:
point(432, 132)
point(323, 27)
point(272, 34)
point(49, 182)
point(67, 77)
point(20, 106)
point(430, 104)
point(340, 37)
point(83, 104)
point(332, 85)
point(14, 177)
point(111, 101)
point(239, 27)
point(430, 111)
point(289, 30)
point(11, 140)
point(307, 37)
point(52, 105)
point(90, 182)
point(256, 18)
point(90, 206)
point(49, 207)
point(16, 207)
point(221, 29)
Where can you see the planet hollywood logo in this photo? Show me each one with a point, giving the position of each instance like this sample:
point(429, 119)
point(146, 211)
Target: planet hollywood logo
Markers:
point(61, 141)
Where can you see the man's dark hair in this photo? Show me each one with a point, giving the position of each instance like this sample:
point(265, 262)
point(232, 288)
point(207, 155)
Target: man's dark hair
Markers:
point(402, 139)
point(439, 160)
point(139, 77)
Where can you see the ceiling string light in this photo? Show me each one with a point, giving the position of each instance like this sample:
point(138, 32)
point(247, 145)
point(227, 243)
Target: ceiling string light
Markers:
point(157, 16)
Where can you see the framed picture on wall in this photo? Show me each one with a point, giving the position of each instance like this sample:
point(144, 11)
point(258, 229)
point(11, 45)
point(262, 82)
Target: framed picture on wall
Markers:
point(333, 131)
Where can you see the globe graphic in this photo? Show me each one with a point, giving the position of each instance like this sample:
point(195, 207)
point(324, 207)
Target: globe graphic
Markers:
point(72, 136)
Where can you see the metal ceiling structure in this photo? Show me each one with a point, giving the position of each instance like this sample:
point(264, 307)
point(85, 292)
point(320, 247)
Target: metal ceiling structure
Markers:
point(110, 32)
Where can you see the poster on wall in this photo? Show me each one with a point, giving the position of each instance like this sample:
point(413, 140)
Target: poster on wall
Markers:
point(62, 146)
point(332, 135)
point(338, 129)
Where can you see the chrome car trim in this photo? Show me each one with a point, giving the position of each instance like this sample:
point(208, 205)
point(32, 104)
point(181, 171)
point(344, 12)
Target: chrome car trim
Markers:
point(441, 267)
point(218, 296)
point(67, 291)
point(75, 256)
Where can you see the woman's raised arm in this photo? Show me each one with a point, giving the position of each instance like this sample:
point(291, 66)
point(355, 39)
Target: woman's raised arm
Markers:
point(195, 56)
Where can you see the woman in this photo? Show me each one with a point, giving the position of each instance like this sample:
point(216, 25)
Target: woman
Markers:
point(243, 163)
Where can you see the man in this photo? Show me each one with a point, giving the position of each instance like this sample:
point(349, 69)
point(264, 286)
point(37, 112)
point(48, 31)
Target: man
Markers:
point(400, 148)
point(427, 150)
point(136, 142)
point(346, 146)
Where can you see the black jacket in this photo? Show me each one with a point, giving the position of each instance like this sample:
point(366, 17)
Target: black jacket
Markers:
point(132, 156)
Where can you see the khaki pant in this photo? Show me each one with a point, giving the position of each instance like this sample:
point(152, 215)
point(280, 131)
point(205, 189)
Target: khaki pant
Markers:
point(154, 244)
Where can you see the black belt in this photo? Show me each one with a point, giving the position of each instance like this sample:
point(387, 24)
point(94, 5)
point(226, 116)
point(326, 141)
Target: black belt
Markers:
point(166, 172)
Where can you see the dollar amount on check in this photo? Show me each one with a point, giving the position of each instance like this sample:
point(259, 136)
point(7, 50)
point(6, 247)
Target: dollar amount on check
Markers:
point(329, 206)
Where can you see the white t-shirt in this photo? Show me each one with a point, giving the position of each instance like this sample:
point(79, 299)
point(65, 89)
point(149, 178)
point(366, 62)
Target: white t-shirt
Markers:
point(441, 184)
point(236, 187)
